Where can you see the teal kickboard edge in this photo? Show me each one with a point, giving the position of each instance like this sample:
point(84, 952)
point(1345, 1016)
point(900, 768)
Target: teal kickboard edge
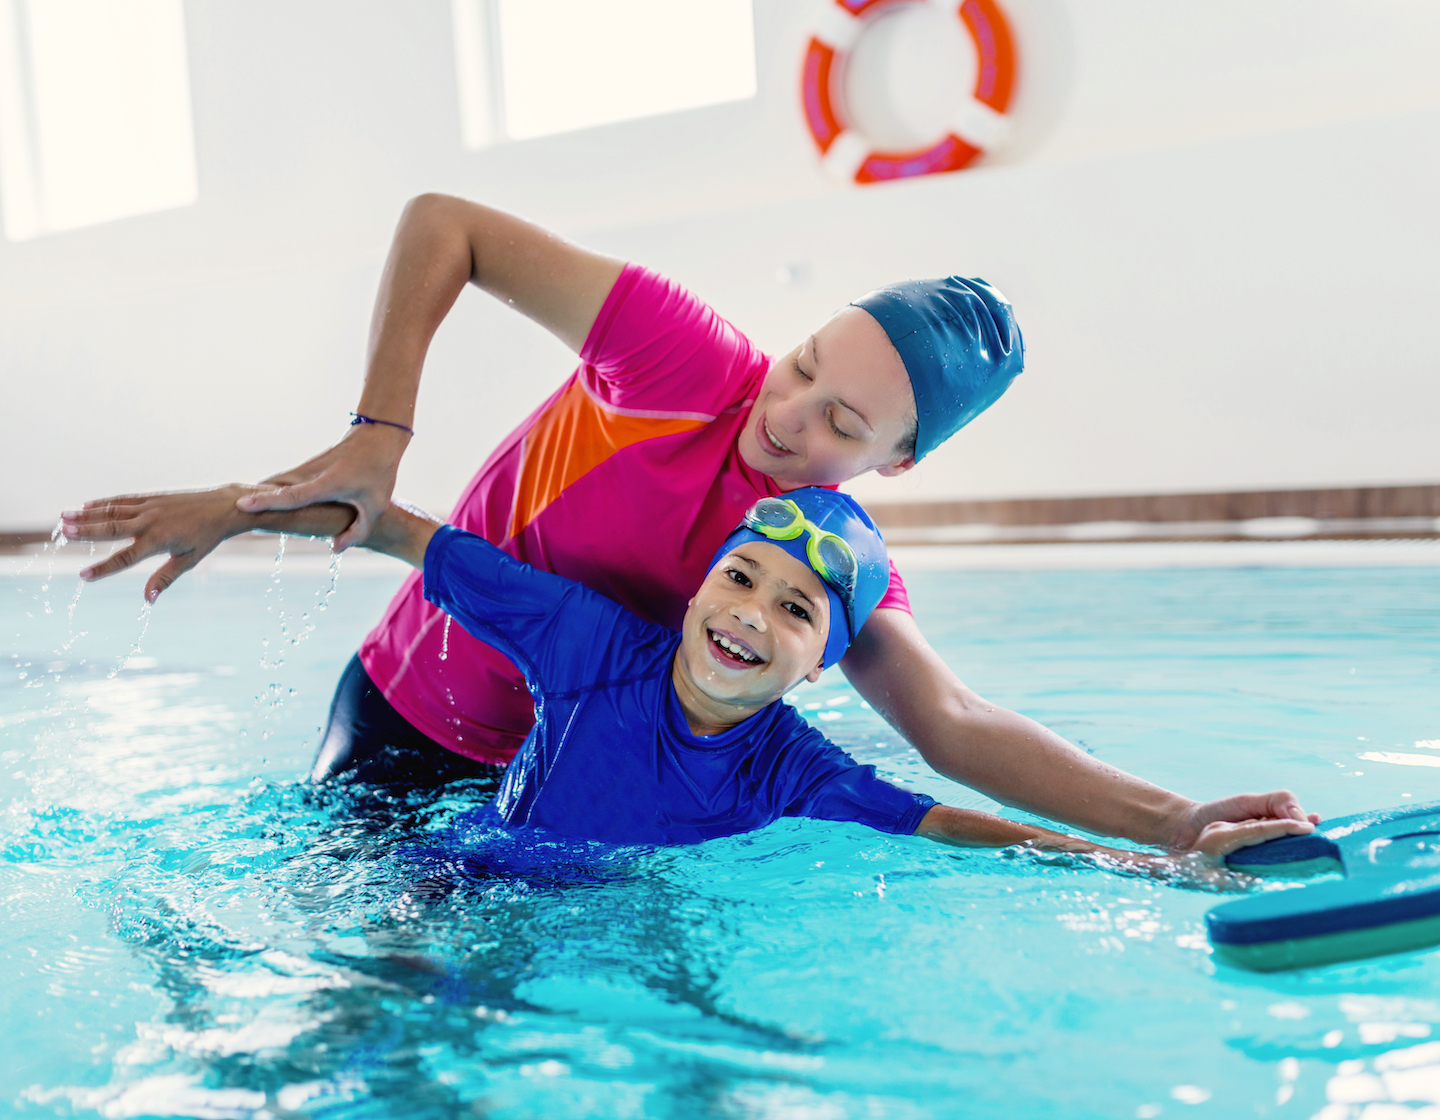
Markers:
point(1388, 902)
point(1331, 948)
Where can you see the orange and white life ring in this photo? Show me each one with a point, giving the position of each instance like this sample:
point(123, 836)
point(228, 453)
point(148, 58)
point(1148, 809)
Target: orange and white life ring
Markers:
point(980, 123)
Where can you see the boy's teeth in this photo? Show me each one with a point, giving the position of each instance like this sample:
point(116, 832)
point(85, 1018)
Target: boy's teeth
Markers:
point(734, 648)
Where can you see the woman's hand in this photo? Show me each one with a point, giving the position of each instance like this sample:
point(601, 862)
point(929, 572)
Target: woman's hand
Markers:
point(358, 471)
point(1218, 839)
point(1277, 807)
point(187, 524)
point(1204, 863)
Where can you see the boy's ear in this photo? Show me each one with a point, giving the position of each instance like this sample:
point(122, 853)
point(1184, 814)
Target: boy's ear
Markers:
point(814, 674)
point(891, 470)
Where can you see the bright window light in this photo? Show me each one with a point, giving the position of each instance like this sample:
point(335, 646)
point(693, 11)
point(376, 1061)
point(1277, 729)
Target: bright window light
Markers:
point(569, 64)
point(94, 112)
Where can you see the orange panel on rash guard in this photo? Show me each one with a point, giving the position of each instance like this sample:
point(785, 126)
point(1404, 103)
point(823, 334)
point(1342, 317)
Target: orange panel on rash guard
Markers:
point(572, 437)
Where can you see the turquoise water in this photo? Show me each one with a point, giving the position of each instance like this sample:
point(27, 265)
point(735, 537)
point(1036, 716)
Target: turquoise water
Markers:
point(188, 932)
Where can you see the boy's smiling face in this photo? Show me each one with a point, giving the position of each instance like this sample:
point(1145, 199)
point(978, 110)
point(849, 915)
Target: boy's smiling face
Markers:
point(754, 630)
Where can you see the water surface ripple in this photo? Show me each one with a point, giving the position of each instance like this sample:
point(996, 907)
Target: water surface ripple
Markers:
point(189, 931)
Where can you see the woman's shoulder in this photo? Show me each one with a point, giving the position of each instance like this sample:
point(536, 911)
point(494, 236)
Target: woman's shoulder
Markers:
point(655, 335)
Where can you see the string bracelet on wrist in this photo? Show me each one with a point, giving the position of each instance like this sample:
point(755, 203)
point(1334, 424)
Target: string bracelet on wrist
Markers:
point(361, 419)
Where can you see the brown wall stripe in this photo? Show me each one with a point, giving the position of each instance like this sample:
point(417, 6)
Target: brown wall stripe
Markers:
point(1349, 503)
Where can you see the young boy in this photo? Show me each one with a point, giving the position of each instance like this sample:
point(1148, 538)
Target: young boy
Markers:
point(648, 736)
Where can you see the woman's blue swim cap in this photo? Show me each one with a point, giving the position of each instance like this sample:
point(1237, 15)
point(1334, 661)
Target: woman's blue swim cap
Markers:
point(960, 344)
point(840, 514)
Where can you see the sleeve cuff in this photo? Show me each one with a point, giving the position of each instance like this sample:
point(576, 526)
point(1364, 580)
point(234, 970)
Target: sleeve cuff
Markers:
point(435, 560)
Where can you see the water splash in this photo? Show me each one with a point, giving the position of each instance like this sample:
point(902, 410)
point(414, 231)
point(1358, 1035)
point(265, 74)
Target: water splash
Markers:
point(74, 602)
point(275, 598)
point(445, 640)
point(144, 619)
point(70, 635)
point(307, 626)
point(58, 540)
point(277, 693)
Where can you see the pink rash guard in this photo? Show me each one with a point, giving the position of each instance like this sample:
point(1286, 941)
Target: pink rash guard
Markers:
point(626, 480)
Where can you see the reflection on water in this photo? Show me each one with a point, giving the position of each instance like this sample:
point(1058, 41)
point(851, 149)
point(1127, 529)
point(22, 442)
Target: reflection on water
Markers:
point(189, 932)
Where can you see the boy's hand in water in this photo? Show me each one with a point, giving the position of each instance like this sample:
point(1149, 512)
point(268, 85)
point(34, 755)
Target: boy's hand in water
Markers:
point(1203, 863)
point(187, 524)
point(358, 471)
point(1244, 809)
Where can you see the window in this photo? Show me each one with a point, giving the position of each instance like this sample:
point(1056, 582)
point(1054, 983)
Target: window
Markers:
point(94, 112)
point(532, 68)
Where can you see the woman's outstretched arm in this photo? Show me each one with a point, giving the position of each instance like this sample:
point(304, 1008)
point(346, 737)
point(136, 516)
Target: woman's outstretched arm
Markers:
point(440, 245)
point(1019, 762)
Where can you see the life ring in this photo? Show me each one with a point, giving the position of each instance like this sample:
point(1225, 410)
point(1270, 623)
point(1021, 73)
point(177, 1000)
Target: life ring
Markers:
point(1388, 902)
point(979, 126)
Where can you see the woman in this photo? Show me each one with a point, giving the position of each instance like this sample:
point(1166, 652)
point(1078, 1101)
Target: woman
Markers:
point(673, 424)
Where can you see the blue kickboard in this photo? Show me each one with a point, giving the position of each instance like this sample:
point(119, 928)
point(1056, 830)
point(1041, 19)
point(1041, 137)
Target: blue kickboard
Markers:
point(1391, 862)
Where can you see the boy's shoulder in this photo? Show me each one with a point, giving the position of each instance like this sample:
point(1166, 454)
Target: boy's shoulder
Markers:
point(567, 633)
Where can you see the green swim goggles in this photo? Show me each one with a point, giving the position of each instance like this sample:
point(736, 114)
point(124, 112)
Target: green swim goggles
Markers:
point(781, 519)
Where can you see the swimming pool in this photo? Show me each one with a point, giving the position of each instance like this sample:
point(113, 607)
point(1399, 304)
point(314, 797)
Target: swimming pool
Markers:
point(190, 933)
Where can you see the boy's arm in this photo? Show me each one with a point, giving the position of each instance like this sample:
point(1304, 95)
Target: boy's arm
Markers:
point(403, 531)
point(969, 828)
point(210, 517)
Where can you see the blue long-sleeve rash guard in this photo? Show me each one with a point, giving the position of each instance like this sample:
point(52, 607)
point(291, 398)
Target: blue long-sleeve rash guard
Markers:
point(611, 756)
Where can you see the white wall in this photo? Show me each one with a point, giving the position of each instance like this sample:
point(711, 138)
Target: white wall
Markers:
point(1218, 228)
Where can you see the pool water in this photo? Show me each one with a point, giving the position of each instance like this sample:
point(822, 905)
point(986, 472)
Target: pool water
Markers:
point(188, 931)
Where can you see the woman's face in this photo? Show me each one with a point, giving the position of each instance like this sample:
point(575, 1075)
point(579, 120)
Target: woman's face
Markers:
point(835, 407)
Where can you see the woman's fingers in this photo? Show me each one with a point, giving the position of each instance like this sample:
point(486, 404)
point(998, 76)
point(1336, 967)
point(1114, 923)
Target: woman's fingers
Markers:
point(359, 470)
point(168, 573)
point(118, 500)
point(1223, 837)
point(287, 497)
point(127, 557)
point(106, 519)
point(99, 527)
point(1279, 804)
point(357, 532)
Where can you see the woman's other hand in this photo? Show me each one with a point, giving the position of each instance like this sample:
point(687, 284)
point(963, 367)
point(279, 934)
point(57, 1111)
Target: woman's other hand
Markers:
point(440, 245)
point(358, 471)
point(1243, 808)
point(1219, 838)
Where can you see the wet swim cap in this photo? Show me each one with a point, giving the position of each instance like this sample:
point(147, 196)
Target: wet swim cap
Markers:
point(960, 344)
point(840, 514)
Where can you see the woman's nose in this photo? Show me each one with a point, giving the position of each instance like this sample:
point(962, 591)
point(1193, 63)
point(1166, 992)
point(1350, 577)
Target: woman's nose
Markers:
point(790, 416)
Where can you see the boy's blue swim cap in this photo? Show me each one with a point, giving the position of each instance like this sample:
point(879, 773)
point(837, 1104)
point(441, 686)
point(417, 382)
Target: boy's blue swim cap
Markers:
point(840, 514)
point(960, 344)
